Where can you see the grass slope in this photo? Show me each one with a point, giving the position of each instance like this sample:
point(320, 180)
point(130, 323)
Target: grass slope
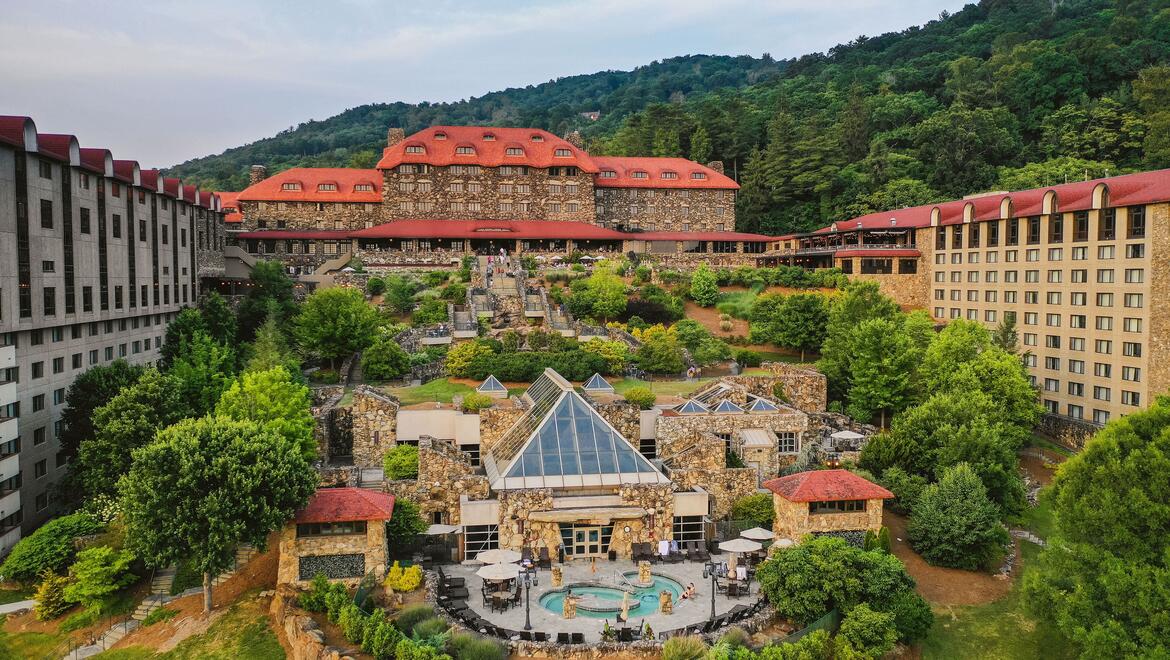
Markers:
point(439, 389)
point(241, 634)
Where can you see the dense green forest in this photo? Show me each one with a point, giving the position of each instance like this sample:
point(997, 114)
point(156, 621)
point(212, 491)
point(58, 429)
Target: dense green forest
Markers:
point(1003, 94)
point(355, 137)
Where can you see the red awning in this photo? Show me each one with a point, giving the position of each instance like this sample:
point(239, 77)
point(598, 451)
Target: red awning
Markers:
point(489, 229)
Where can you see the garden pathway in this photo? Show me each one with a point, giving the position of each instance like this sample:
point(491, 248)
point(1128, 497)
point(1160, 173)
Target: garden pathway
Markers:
point(18, 605)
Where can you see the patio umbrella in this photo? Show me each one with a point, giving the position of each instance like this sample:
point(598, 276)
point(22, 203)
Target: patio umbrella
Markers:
point(498, 572)
point(498, 556)
point(625, 606)
point(847, 435)
point(737, 546)
point(757, 534)
point(439, 530)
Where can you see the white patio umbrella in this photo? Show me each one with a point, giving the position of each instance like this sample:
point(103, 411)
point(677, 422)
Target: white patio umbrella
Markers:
point(757, 534)
point(498, 572)
point(738, 546)
point(783, 543)
point(439, 530)
point(498, 556)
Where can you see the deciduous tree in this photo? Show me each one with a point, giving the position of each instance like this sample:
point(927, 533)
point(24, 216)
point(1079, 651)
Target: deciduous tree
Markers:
point(704, 286)
point(91, 390)
point(881, 370)
point(275, 400)
point(335, 323)
point(955, 524)
point(204, 370)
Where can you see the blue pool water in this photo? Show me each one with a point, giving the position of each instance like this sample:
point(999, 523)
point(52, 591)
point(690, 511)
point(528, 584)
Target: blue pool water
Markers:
point(604, 602)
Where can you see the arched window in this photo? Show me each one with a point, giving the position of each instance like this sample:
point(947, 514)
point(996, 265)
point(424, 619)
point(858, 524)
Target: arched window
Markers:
point(513, 151)
point(562, 153)
point(465, 151)
point(440, 135)
point(639, 174)
point(669, 175)
point(698, 176)
point(608, 174)
point(415, 149)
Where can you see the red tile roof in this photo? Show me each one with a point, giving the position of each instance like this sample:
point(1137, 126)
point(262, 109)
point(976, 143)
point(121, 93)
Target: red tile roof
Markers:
point(826, 486)
point(539, 152)
point(308, 181)
point(150, 179)
point(624, 168)
point(489, 229)
point(173, 187)
point(230, 207)
point(695, 236)
point(346, 504)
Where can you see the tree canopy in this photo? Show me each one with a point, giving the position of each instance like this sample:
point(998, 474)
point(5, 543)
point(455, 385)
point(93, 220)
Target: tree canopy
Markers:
point(336, 322)
point(274, 399)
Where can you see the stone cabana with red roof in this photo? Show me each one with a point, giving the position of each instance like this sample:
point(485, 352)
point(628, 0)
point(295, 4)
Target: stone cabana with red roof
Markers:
point(835, 502)
point(340, 533)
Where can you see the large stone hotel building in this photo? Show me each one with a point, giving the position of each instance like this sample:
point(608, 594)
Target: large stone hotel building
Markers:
point(99, 254)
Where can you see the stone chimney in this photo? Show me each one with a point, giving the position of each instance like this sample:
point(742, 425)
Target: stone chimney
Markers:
point(257, 174)
point(394, 135)
point(716, 165)
point(574, 138)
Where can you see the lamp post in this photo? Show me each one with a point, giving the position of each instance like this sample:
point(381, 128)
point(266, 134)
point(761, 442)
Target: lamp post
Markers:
point(714, 570)
point(528, 579)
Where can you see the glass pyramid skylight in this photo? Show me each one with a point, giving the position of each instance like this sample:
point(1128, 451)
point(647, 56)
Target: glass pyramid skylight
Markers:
point(762, 405)
point(692, 407)
point(574, 446)
point(726, 406)
point(492, 384)
point(597, 384)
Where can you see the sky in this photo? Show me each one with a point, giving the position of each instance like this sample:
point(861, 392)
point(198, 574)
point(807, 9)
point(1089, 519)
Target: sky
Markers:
point(161, 82)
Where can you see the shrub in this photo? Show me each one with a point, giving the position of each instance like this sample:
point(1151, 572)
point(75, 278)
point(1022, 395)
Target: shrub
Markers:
point(736, 637)
point(83, 619)
point(747, 358)
point(431, 627)
point(712, 350)
point(401, 462)
point(430, 312)
point(690, 647)
point(49, 548)
point(868, 632)
point(393, 576)
point(352, 622)
point(50, 596)
point(313, 600)
point(757, 509)
point(98, 572)
point(912, 616)
point(375, 286)
point(412, 616)
point(159, 615)
point(380, 637)
point(412, 578)
point(641, 397)
point(461, 356)
point(883, 543)
point(385, 358)
point(335, 602)
point(704, 287)
point(906, 487)
point(476, 401)
point(726, 326)
point(455, 292)
point(434, 278)
point(466, 646)
point(328, 376)
point(955, 524)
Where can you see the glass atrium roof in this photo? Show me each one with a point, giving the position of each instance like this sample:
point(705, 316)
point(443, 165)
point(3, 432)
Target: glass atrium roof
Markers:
point(492, 384)
point(597, 384)
point(727, 406)
point(762, 405)
point(692, 407)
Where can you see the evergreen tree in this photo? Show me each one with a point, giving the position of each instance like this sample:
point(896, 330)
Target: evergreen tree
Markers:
point(701, 148)
point(704, 286)
point(955, 524)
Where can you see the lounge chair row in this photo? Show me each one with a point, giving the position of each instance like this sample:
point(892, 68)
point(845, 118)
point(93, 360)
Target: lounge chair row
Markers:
point(694, 552)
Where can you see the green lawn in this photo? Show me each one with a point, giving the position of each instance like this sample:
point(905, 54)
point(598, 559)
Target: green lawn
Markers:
point(736, 303)
point(18, 646)
point(13, 595)
point(439, 389)
point(1044, 443)
point(1002, 629)
point(241, 634)
point(1039, 519)
point(661, 387)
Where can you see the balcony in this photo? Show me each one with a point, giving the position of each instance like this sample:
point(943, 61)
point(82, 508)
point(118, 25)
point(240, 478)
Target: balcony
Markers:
point(7, 356)
point(8, 429)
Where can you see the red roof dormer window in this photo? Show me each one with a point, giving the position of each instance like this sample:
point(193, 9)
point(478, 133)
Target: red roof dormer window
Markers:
point(562, 153)
point(489, 137)
point(363, 187)
point(669, 175)
point(440, 136)
point(291, 185)
point(464, 151)
point(513, 151)
point(537, 138)
point(699, 176)
point(326, 187)
point(639, 174)
point(415, 149)
point(608, 174)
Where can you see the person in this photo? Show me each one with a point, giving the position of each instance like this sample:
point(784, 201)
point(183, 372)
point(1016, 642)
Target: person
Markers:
point(689, 592)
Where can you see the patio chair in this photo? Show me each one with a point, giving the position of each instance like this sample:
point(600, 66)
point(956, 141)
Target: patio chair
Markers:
point(674, 557)
point(539, 636)
point(625, 635)
point(526, 555)
point(698, 552)
point(525, 636)
point(487, 595)
point(516, 596)
point(577, 638)
point(544, 561)
point(446, 581)
point(563, 638)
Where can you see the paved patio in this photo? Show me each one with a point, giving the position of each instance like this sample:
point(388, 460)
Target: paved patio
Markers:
point(686, 612)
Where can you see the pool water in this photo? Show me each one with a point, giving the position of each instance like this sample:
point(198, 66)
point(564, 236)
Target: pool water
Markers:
point(602, 602)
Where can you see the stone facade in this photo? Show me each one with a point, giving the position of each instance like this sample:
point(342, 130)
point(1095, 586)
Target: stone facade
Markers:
point(665, 209)
point(515, 532)
point(624, 417)
point(472, 192)
point(909, 290)
point(371, 544)
point(658, 501)
point(323, 216)
point(793, 521)
point(494, 422)
point(1158, 365)
point(725, 485)
point(445, 475)
point(679, 438)
point(374, 423)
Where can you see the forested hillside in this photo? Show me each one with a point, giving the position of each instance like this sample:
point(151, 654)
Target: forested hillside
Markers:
point(1006, 94)
point(356, 136)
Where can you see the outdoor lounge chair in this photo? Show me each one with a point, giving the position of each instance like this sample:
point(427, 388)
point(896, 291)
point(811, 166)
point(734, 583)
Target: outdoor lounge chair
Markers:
point(539, 636)
point(578, 638)
point(563, 638)
point(544, 561)
point(625, 635)
point(454, 582)
point(698, 552)
point(456, 594)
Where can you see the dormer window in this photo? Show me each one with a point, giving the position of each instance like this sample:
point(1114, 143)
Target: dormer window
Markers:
point(363, 187)
point(639, 174)
point(562, 153)
point(440, 136)
point(669, 175)
point(608, 174)
point(537, 138)
point(326, 187)
point(513, 151)
point(489, 137)
point(415, 149)
point(699, 176)
point(465, 151)
point(291, 185)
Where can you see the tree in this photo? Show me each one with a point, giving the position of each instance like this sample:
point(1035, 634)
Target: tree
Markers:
point(955, 524)
point(801, 322)
point(701, 148)
point(429, 312)
point(608, 292)
point(270, 294)
point(273, 399)
point(404, 525)
point(384, 358)
point(91, 390)
point(207, 485)
point(758, 509)
point(401, 462)
point(50, 548)
point(660, 352)
point(712, 350)
point(616, 353)
point(1006, 336)
point(270, 349)
point(335, 323)
point(204, 370)
point(860, 301)
point(641, 397)
point(704, 286)
point(870, 633)
point(1107, 556)
point(129, 421)
point(98, 573)
point(218, 318)
point(1004, 379)
point(959, 342)
point(690, 333)
point(881, 370)
point(462, 356)
point(180, 332)
point(50, 596)
point(961, 147)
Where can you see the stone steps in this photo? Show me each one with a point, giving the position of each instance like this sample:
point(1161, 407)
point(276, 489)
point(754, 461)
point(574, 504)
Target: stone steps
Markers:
point(163, 579)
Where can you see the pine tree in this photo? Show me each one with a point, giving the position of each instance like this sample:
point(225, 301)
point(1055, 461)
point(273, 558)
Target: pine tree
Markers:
point(701, 148)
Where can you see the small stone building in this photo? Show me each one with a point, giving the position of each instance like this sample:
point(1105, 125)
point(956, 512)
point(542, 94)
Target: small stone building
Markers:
point(834, 502)
point(340, 533)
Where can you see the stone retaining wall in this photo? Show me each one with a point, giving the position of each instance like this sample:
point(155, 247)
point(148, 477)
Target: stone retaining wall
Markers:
point(305, 639)
point(445, 474)
point(725, 486)
point(375, 424)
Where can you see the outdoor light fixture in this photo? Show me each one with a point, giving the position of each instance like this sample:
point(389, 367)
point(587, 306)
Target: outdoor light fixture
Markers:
point(528, 579)
point(714, 570)
point(626, 529)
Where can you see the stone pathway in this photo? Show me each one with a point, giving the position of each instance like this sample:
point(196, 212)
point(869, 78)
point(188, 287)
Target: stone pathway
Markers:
point(17, 606)
point(1028, 536)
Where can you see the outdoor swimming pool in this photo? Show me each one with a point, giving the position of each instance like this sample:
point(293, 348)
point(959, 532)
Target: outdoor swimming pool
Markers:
point(599, 601)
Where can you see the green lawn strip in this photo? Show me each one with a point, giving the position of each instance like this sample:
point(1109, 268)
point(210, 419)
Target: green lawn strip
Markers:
point(1002, 629)
point(736, 303)
point(439, 389)
point(14, 595)
point(1039, 519)
point(19, 646)
point(661, 387)
point(241, 634)
point(1041, 442)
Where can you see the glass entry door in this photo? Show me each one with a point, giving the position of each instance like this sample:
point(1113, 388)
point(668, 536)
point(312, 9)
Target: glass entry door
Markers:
point(587, 542)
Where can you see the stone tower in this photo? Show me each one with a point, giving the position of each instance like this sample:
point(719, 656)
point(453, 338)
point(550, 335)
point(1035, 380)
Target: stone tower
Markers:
point(394, 135)
point(257, 174)
point(716, 165)
point(574, 138)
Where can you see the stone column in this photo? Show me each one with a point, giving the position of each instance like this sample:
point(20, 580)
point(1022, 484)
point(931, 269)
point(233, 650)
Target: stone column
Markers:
point(568, 246)
point(739, 247)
